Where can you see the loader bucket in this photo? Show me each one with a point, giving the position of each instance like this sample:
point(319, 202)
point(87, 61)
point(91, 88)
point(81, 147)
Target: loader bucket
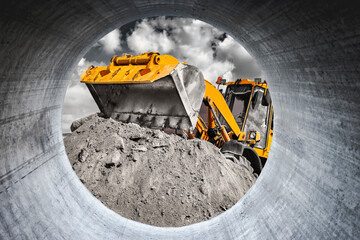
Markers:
point(172, 101)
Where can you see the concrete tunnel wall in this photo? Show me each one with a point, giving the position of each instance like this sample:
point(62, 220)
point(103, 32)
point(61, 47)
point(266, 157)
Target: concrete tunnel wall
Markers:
point(309, 53)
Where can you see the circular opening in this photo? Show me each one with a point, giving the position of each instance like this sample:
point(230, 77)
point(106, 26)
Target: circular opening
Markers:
point(308, 51)
point(152, 176)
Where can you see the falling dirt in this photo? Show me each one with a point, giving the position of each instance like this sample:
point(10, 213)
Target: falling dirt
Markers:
point(152, 177)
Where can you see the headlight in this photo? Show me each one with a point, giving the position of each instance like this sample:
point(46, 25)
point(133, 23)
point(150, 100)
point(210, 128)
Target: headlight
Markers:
point(252, 135)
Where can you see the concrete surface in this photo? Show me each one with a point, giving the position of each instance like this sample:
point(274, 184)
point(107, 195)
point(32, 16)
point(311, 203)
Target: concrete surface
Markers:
point(309, 52)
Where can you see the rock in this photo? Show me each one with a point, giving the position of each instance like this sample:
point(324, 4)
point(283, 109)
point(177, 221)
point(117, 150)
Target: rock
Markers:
point(158, 134)
point(159, 144)
point(83, 155)
point(135, 157)
point(111, 142)
point(114, 157)
point(120, 144)
point(140, 148)
point(76, 124)
point(137, 136)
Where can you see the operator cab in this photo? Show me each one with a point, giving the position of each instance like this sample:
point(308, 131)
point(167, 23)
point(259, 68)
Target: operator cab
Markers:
point(250, 104)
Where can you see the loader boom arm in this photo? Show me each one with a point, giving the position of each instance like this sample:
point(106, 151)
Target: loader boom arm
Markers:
point(221, 106)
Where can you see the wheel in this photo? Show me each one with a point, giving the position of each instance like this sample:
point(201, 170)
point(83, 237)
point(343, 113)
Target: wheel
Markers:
point(239, 149)
point(242, 161)
point(254, 159)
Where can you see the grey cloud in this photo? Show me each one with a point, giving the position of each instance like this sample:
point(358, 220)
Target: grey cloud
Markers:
point(189, 40)
point(78, 100)
point(195, 42)
point(111, 42)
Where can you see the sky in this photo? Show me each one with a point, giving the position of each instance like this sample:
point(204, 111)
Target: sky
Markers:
point(214, 52)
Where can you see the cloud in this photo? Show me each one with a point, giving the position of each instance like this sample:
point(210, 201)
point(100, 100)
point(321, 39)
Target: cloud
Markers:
point(78, 100)
point(145, 38)
point(219, 69)
point(111, 42)
point(245, 64)
point(193, 41)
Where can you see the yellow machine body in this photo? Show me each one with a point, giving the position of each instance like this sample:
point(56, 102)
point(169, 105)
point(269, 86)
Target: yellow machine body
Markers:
point(206, 121)
point(262, 152)
point(149, 89)
point(144, 68)
point(158, 91)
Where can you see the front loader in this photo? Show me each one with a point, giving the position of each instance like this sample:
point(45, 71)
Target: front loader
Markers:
point(158, 91)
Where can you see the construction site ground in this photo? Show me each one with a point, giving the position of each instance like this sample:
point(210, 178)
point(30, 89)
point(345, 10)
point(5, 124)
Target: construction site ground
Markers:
point(153, 177)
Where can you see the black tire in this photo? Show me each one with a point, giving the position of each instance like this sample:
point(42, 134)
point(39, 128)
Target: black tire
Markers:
point(240, 160)
point(254, 159)
point(239, 149)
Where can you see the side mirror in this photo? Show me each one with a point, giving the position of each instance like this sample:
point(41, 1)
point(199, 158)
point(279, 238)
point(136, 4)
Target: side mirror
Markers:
point(266, 99)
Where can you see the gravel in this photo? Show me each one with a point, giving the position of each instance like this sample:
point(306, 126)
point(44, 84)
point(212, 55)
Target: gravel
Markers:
point(153, 177)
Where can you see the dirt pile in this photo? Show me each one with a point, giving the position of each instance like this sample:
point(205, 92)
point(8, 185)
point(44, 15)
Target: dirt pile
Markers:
point(152, 177)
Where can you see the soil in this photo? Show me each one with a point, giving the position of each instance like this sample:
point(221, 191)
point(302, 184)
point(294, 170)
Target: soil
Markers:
point(152, 177)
